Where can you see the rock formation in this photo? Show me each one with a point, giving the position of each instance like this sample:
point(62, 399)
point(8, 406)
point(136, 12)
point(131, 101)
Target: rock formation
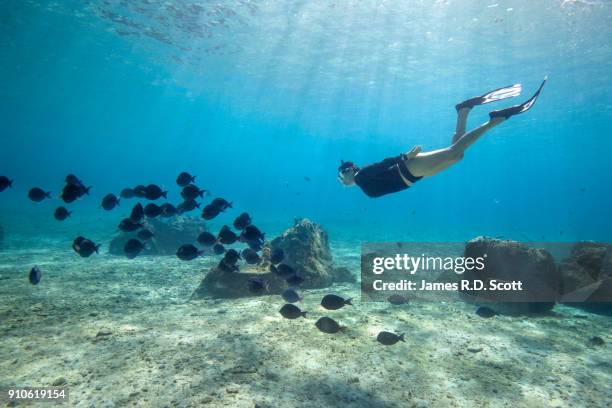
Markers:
point(513, 261)
point(306, 249)
point(587, 277)
point(167, 236)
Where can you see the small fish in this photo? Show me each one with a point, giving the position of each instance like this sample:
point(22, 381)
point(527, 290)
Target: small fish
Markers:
point(283, 270)
point(154, 192)
point(328, 325)
point(35, 275)
point(5, 182)
point(206, 239)
point(334, 302)
point(294, 280)
point(127, 193)
point(290, 295)
point(168, 210)
point(258, 285)
point(185, 178)
point(209, 212)
point(38, 194)
point(242, 221)
point(140, 191)
point(485, 312)
point(188, 205)
point(276, 256)
point(61, 213)
point(221, 203)
point(132, 248)
point(109, 202)
point(84, 247)
point(231, 256)
point(129, 225)
point(255, 245)
point(397, 300)
point(188, 252)
point(152, 210)
point(70, 193)
point(218, 249)
point(137, 213)
point(582, 189)
point(251, 257)
point(192, 191)
point(251, 234)
point(306, 178)
point(388, 338)
point(144, 234)
point(227, 236)
point(289, 311)
point(227, 267)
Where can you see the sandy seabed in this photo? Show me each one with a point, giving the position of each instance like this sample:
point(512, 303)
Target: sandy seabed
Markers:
point(120, 332)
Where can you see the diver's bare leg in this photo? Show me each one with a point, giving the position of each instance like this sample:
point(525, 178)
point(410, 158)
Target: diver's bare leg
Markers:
point(462, 115)
point(429, 163)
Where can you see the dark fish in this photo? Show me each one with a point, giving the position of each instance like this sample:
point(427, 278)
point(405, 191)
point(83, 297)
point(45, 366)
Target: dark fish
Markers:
point(388, 338)
point(306, 178)
point(242, 221)
point(137, 213)
point(276, 256)
point(209, 212)
point(334, 302)
point(192, 191)
point(221, 203)
point(188, 205)
point(227, 267)
point(70, 193)
point(72, 179)
point(251, 233)
point(5, 182)
point(227, 236)
point(218, 249)
point(328, 325)
point(294, 280)
point(84, 247)
point(144, 234)
point(61, 213)
point(129, 225)
point(284, 270)
point(485, 312)
point(251, 257)
point(168, 210)
point(231, 256)
point(128, 193)
point(289, 311)
point(290, 295)
point(207, 239)
point(255, 245)
point(140, 191)
point(397, 300)
point(132, 248)
point(35, 275)
point(188, 252)
point(38, 194)
point(154, 192)
point(110, 201)
point(184, 178)
point(257, 285)
point(152, 210)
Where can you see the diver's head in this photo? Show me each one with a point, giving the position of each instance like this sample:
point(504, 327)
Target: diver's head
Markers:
point(347, 172)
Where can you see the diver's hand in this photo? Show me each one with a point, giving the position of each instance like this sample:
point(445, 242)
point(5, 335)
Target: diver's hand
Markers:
point(412, 153)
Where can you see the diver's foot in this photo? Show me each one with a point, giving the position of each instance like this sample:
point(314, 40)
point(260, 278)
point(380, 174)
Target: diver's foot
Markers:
point(516, 109)
point(492, 96)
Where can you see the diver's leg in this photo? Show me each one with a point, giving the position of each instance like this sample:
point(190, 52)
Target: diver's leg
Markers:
point(429, 163)
point(462, 115)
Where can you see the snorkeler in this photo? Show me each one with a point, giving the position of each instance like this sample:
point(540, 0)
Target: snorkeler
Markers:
point(399, 173)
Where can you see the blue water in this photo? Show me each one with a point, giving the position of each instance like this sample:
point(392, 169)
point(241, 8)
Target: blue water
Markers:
point(254, 96)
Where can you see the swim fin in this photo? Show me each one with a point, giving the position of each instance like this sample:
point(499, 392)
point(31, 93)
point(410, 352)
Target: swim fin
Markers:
point(495, 95)
point(515, 110)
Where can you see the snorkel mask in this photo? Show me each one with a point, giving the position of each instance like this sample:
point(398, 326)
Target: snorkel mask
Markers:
point(345, 168)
